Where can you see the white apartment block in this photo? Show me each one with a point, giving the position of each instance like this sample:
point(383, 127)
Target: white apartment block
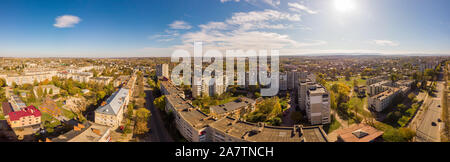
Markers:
point(305, 84)
point(162, 70)
point(318, 105)
point(378, 87)
point(111, 113)
point(380, 101)
point(29, 78)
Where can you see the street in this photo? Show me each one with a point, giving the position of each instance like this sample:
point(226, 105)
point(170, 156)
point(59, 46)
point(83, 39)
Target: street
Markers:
point(158, 132)
point(429, 126)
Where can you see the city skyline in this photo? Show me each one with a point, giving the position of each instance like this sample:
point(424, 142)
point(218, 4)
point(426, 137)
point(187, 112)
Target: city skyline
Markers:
point(156, 28)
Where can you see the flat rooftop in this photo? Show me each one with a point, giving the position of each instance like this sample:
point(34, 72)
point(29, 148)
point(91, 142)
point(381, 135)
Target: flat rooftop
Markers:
point(254, 132)
point(231, 106)
point(91, 132)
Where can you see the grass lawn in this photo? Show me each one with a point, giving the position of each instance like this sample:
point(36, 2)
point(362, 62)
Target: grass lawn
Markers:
point(359, 103)
point(68, 114)
point(333, 126)
point(348, 83)
point(226, 100)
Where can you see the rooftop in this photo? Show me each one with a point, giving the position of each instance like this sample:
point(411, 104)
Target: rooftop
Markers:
point(114, 102)
point(385, 94)
point(87, 132)
point(261, 133)
point(359, 133)
point(231, 106)
point(27, 111)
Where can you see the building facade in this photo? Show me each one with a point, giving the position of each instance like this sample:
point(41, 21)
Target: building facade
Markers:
point(318, 105)
point(111, 112)
point(28, 116)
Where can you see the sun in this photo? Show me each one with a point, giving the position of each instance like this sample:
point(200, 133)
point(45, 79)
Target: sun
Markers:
point(344, 5)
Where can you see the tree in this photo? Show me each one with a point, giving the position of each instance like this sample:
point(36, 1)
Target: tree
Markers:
point(100, 95)
point(411, 96)
point(160, 102)
point(142, 118)
point(2, 82)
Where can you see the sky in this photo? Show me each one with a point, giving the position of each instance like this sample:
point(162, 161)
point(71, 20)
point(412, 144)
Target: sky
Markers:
point(147, 28)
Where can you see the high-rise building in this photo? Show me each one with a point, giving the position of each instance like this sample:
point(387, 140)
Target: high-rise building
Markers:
point(162, 70)
point(291, 80)
point(305, 84)
point(318, 105)
point(283, 81)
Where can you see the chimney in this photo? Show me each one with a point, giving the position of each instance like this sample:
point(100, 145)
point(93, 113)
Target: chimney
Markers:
point(103, 103)
point(80, 126)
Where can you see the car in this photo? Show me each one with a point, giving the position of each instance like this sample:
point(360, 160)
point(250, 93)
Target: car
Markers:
point(439, 105)
point(433, 124)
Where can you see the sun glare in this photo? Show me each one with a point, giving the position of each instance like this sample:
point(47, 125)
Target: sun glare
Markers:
point(344, 5)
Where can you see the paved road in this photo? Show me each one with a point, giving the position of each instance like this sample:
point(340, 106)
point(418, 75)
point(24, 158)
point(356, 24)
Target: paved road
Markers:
point(426, 132)
point(158, 132)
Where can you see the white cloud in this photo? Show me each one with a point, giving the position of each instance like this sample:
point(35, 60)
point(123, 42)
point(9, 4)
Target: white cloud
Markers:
point(273, 3)
point(267, 19)
point(223, 1)
point(168, 36)
point(385, 43)
point(299, 8)
point(214, 25)
point(180, 25)
point(66, 21)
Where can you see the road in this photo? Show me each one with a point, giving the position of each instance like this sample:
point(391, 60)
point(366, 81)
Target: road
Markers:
point(426, 131)
point(158, 132)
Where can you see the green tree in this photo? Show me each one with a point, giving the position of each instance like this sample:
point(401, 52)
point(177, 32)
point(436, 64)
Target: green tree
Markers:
point(142, 118)
point(2, 82)
point(100, 95)
point(411, 96)
point(160, 102)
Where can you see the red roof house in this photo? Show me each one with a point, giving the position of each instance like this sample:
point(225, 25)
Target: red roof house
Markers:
point(27, 111)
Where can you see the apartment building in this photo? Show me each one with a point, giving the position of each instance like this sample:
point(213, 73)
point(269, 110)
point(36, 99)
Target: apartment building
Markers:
point(318, 105)
point(291, 77)
point(379, 87)
point(82, 76)
point(202, 89)
point(27, 116)
point(305, 84)
point(381, 101)
point(374, 80)
point(111, 112)
point(162, 70)
point(406, 83)
point(29, 78)
point(121, 80)
point(102, 80)
point(233, 108)
point(16, 103)
point(47, 89)
point(87, 132)
point(233, 130)
point(190, 122)
point(283, 81)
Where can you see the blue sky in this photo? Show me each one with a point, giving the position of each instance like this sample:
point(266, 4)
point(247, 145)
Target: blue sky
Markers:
point(114, 28)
